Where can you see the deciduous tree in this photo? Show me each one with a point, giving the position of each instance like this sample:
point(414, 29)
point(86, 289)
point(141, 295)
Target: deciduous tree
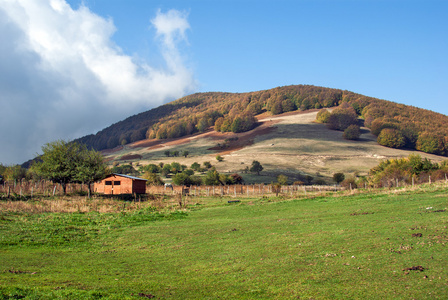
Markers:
point(64, 162)
point(256, 167)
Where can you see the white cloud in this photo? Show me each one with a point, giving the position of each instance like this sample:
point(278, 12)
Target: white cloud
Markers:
point(62, 76)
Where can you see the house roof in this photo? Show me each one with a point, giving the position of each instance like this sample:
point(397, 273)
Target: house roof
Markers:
point(128, 176)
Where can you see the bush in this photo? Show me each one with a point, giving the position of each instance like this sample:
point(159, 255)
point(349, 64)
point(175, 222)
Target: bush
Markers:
point(236, 178)
point(195, 166)
point(349, 183)
point(152, 179)
point(188, 172)
point(282, 179)
point(338, 177)
point(212, 178)
point(323, 116)
point(379, 124)
point(340, 119)
point(431, 143)
point(353, 132)
point(320, 181)
point(152, 168)
point(184, 179)
point(391, 138)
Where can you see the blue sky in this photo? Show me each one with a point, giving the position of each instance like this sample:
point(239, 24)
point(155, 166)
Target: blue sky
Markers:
point(393, 50)
point(72, 67)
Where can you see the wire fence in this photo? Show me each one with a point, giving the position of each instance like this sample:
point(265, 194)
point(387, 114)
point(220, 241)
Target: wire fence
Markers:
point(25, 188)
point(45, 188)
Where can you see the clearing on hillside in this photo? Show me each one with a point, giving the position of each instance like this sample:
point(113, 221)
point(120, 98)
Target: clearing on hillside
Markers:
point(292, 144)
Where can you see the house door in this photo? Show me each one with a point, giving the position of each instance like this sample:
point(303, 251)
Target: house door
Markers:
point(112, 187)
point(116, 187)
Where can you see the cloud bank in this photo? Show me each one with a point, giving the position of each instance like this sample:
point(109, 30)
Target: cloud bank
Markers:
point(62, 76)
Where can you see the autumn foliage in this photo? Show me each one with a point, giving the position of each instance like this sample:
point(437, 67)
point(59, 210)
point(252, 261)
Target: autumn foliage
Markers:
point(413, 169)
point(236, 112)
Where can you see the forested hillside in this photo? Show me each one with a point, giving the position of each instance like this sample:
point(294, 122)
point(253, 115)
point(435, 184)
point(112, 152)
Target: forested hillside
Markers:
point(396, 125)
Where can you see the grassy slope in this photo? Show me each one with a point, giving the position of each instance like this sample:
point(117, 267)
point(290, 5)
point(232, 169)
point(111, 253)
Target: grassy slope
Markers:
point(334, 247)
point(295, 145)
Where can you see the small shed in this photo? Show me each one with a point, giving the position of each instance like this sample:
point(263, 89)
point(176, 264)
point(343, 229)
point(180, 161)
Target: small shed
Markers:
point(116, 184)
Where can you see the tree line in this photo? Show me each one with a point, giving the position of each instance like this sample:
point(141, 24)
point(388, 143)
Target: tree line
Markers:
point(62, 163)
point(396, 125)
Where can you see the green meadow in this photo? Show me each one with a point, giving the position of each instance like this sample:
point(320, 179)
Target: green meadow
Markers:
point(389, 244)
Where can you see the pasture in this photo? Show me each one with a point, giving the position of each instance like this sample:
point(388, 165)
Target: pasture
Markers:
point(291, 144)
point(384, 244)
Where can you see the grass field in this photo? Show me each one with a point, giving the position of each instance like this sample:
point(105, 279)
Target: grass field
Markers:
point(371, 245)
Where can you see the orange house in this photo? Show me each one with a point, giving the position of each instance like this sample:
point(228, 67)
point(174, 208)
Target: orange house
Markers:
point(116, 184)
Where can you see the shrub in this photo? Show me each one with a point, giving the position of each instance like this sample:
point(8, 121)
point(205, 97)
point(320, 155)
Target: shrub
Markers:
point(391, 138)
point(189, 172)
point(352, 132)
point(338, 177)
point(236, 178)
point(184, 179)
point(212, 178)
point(340, 119)
point(152, 179)
point(152, 168)
point(195, 166)
point(431, 143)
point(349, 182)
point(282, 179)
point(323, 116)
point(320, 181)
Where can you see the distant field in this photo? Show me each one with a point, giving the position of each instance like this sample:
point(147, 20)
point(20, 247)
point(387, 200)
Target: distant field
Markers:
point(289, 144)
point(387, 244)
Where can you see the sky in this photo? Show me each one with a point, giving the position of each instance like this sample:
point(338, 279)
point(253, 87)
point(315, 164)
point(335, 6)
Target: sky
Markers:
point(69, 68)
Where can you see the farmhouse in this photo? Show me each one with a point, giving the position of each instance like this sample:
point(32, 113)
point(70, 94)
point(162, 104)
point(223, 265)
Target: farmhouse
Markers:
point(116, 184)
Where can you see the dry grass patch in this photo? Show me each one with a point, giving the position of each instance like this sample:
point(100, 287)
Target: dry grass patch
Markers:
point(77, 204)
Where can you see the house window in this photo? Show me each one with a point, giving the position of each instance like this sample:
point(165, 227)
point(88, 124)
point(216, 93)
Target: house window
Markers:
point(108, 182)
point(117, 182)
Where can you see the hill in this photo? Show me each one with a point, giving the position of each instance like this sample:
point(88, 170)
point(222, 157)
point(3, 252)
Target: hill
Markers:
point(292, 144)
point(276, 127)
point(417, 128)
